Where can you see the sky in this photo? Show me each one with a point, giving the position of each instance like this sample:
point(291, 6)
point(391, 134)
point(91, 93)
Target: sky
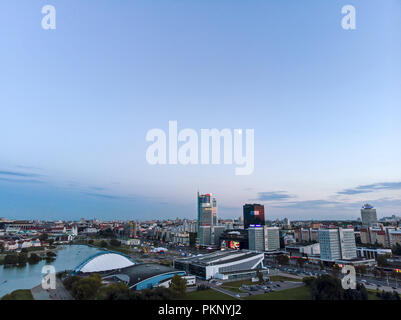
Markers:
point(77, 102)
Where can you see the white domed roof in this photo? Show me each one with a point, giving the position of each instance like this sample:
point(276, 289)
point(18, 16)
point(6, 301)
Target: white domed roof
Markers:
point(105, 262)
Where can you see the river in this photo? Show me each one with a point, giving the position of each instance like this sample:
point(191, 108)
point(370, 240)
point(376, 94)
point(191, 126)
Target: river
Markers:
point(29, 276)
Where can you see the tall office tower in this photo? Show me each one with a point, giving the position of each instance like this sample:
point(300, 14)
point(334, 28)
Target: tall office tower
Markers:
point(207, 217)
point(254, 214)
point(337, 244)
point(272, 238)
point(256, 238)
point(207, 210)
point(368, 215)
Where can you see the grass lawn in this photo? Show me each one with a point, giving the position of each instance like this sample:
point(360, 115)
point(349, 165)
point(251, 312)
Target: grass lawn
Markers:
point(372, 296)
point(300, 293)
point(19, 295)
point(208, 294)
point(281, 278)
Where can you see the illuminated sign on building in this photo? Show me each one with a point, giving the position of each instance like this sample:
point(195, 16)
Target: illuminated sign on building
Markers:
point(234, 245)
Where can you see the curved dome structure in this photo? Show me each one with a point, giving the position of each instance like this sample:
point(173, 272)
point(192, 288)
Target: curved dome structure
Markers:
point(105, 261)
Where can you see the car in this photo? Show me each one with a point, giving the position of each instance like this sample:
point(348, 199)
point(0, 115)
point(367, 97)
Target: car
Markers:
point(278, 285)
point(237, 296)
point(394, 288)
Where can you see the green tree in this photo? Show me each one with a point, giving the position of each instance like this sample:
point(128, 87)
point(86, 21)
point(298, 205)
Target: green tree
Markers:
point(115, 243)
point(382, 260)
point(115, 291)
point(308, 281)
point(87, 288)
point(327, 288)
point(22, 258)
point(11, 259)
point(178, 285)
point(33, 258)
point(335, 271)
point(68, 282)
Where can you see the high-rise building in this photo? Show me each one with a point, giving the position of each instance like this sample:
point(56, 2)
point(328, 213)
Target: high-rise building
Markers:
point(207, 219)
point(207, 210)
point(217, 232)
point(205, 235)
point(368, 215)
point(256, 238)
point(254, 214)
point(337, 244)
point(272, 238)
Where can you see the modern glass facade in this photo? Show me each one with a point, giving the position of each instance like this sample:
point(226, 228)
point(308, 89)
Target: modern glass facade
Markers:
point(207, 217)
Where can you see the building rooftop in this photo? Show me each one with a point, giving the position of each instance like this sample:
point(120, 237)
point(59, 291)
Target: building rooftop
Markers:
point(220, 257)
point(142, 271)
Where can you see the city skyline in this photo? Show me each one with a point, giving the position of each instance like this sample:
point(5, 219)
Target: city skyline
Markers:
point(78, 101)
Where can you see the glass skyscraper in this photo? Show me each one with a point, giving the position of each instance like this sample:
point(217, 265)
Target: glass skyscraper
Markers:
point(207, 217)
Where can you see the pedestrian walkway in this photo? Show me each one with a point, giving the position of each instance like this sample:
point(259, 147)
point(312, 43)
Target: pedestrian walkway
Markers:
point(60, 293)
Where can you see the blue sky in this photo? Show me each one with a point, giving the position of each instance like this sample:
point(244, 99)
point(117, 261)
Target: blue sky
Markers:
point(76, 104)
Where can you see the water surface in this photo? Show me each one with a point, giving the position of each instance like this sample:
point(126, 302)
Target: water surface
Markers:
point(30, 275)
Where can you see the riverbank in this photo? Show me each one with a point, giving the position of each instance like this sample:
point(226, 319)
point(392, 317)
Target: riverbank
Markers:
point(28, 251)
point(21, 294)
